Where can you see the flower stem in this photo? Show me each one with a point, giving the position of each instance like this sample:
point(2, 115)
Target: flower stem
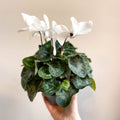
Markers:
point(52, 44)
point(63, 45)
point(52, 47)
point(44, 37)
point(41, 38)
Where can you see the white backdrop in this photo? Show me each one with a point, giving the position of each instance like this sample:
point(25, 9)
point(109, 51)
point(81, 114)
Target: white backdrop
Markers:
point(102, 45)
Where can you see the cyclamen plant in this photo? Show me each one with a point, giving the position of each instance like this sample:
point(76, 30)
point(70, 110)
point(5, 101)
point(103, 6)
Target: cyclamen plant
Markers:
point(56, 68)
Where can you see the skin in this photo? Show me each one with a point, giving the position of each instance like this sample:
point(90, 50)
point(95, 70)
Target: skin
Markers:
point(68, 113)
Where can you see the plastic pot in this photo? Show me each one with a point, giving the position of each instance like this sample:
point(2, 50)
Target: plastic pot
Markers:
point(52, 99)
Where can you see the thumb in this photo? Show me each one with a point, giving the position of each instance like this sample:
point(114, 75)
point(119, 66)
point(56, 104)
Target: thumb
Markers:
point(74, 103)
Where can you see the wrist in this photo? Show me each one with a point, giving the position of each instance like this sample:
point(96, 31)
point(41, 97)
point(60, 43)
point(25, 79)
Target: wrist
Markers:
point(75, 117)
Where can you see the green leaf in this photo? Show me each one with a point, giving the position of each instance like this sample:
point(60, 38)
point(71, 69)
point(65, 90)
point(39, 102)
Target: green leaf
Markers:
point(80, 83)
point(57, 45)
point(65, 84)
point(93, 86)
point(44, 72)
point(50, 86)
point(33, 87)
point(36, 54)
point(77, 66)
point(68, 45)
point(63, 98)
point(26, 75)
point(56, 67)
point(67, 72)
point(45, 52)
point(86, 63)
point(59, 56)
point(31, 90)
point(69, 53)
point(28, 62)
point(69, 50)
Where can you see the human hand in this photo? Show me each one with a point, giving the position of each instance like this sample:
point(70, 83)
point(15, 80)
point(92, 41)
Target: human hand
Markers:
point(68, 113)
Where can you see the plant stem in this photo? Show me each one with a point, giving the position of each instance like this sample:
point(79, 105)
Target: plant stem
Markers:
point(52, 47)
point(44, 37)
point(52, 44)
point(41, 38)
point(63, 45)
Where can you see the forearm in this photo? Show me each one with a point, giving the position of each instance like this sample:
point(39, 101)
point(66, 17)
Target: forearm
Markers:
point(75, 117)
point(70, 117)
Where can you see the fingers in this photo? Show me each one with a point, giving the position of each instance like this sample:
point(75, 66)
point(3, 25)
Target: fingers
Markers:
point(74, 99)
point(73, 105)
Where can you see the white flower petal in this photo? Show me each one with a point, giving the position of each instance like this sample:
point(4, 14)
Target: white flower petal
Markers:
point(32, 22)
point(47, 34)
point(58, 29)
point(43, 25)
point(74, 26)
point(64, 28)
point(54, 24)
point(61, 37)
point(60, 40)
point(46, 21)
point(30, 19)
point(36, 34)
point(85, 27)
point(61, 29)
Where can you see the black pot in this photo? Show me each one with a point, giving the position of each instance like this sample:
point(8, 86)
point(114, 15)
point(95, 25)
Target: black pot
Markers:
point(52, 99)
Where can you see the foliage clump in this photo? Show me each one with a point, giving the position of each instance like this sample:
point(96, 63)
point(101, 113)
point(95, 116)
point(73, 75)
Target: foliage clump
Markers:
point(62, 75)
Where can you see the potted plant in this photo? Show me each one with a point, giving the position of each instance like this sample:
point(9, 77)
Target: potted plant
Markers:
point(56, 69)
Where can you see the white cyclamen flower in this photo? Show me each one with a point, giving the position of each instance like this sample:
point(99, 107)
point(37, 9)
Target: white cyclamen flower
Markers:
point(78, 28)
point(51, 35)
point(54, 31)
point(35, 24)
point(61, 32)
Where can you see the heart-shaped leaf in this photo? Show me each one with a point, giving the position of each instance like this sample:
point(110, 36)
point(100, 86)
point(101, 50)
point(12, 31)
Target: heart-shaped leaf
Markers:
point(28, 62)
point(69, 53)
point(80, 83)
point(56, 68)
point(45, 51)
point(50, 86)
point(86, 63)
point(44, 72)
point(68, 45)
point(77, 66)
point(63, 98)
point(69, 50)
point(33, 87)
point(26, 77)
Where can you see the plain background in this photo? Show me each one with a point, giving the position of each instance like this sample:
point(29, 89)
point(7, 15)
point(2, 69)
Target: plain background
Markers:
point(102, 45)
